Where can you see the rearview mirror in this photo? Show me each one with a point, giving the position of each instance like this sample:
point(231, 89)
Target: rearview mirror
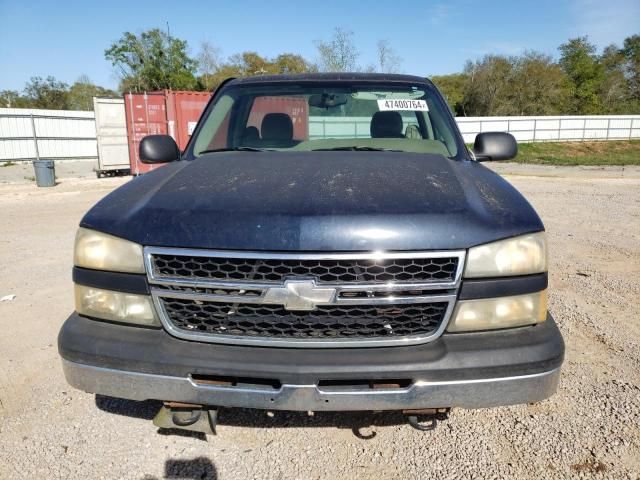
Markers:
point(495, 146)
point(326, 100)
point(158, 149)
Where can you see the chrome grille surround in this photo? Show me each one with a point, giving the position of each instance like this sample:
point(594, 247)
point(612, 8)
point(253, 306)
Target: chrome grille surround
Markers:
point(313, 294)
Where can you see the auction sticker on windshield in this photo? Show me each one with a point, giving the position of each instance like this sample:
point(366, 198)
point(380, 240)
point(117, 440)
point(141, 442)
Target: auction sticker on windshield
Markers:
point(403, 104)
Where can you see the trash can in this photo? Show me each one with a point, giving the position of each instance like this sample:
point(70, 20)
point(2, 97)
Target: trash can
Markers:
point(45, 173)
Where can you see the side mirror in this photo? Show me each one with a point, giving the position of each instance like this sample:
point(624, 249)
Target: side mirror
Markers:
point(158, 149)
point(495, 146)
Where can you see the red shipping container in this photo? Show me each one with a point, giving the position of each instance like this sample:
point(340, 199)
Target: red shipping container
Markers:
point(160, 113)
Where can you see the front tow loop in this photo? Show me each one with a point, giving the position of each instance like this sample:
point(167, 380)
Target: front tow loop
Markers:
point(429, 420)
point(186, 416)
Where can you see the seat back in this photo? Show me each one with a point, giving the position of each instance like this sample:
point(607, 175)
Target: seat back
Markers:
point(386, 124)
point(276, 127)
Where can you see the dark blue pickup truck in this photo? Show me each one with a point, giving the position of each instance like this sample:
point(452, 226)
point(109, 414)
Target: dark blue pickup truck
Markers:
point(325, 242)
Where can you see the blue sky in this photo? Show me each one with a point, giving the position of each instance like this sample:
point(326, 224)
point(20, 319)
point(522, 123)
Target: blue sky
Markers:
point(68, 38)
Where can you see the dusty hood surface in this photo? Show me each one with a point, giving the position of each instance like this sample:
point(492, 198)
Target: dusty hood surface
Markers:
point(316, 201)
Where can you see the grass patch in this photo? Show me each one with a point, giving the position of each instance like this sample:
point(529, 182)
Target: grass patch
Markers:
point(625, 152)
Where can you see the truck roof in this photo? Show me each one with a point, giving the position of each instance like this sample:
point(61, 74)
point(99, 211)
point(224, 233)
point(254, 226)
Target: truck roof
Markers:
point(331, 77)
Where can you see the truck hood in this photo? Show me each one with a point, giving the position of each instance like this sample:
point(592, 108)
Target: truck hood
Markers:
point(316, 201)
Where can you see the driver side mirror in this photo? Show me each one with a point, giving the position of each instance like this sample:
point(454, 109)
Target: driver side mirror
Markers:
point(158, 149)
point(495, 146)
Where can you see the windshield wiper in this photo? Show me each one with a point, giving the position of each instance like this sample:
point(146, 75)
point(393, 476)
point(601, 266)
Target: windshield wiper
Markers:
point(354, 148)
point(235, 149)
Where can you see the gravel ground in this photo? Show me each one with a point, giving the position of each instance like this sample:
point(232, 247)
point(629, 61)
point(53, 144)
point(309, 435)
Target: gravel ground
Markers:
point(589, 429)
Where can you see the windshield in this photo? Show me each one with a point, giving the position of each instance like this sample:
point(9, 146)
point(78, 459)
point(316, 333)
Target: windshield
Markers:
point(297, 117)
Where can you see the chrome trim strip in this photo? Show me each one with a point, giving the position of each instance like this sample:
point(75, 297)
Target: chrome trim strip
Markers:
point(252, 254)
point(474, 393)
point(235, 285)
point(297, 342)
point(259, 299)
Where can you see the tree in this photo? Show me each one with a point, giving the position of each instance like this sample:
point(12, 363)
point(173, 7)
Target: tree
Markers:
point(246, 64)
point(292, 63)
point(82, 92)
point(250, 63)
point(614, 90)
point(388, 60)
point(579, 61)
point(453, 88)
point(152, 61)
point(537, 87)
point(209, 62)
point(13, 99)
point(47, 93)
point(529, 84)
point(338, 54)
point(487, 82)
point(631, 54)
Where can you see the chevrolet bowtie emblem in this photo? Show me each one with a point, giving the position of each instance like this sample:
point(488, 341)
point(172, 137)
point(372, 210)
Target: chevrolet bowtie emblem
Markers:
point(299, 295)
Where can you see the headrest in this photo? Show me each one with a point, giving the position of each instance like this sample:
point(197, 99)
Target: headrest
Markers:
point(251, 134)
point(277, 126)
point(386, 124)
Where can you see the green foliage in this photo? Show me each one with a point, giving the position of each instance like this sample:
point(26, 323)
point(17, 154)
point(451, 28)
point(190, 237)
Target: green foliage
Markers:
point(13, 99)
point(631, 53)
point(52, 94)
point(580, 63)
point(581, 82)
point(530, 84)
point(81, 94)
point(487, 85)
point(152, 61)
point(580, 153)
point(453, 88)
point(247, 64)
point(614, 90)
point(46, 93)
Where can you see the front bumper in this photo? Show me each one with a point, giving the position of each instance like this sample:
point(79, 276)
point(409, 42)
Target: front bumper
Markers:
point(471, 370)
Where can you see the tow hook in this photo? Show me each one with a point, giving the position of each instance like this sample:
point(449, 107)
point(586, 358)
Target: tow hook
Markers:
point(430, 422)
point(187, 416)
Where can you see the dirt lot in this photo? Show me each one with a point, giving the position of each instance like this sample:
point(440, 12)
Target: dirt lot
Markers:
point(590, 428)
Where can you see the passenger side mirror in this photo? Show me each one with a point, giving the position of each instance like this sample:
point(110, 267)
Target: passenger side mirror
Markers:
point(495, 146)
point(158, 149)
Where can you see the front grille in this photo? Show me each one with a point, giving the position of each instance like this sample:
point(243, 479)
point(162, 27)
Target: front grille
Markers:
point(311, 300)
point(275, 271)
point(326, 322)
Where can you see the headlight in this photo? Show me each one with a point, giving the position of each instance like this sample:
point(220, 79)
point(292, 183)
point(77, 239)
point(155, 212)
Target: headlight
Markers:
point(503, 312)
point(101, 251)
point(115, 306)
point(514, 256)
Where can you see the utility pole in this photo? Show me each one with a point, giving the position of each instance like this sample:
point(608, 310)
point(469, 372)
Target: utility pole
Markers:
point(170, 63)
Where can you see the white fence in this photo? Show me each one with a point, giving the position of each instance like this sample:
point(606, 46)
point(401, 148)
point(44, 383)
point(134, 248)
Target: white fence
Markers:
point(554, 129)
point(525, 129)
point(26, 134)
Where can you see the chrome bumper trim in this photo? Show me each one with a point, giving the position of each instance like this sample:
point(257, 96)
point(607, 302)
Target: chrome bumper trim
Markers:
point(474, 393)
